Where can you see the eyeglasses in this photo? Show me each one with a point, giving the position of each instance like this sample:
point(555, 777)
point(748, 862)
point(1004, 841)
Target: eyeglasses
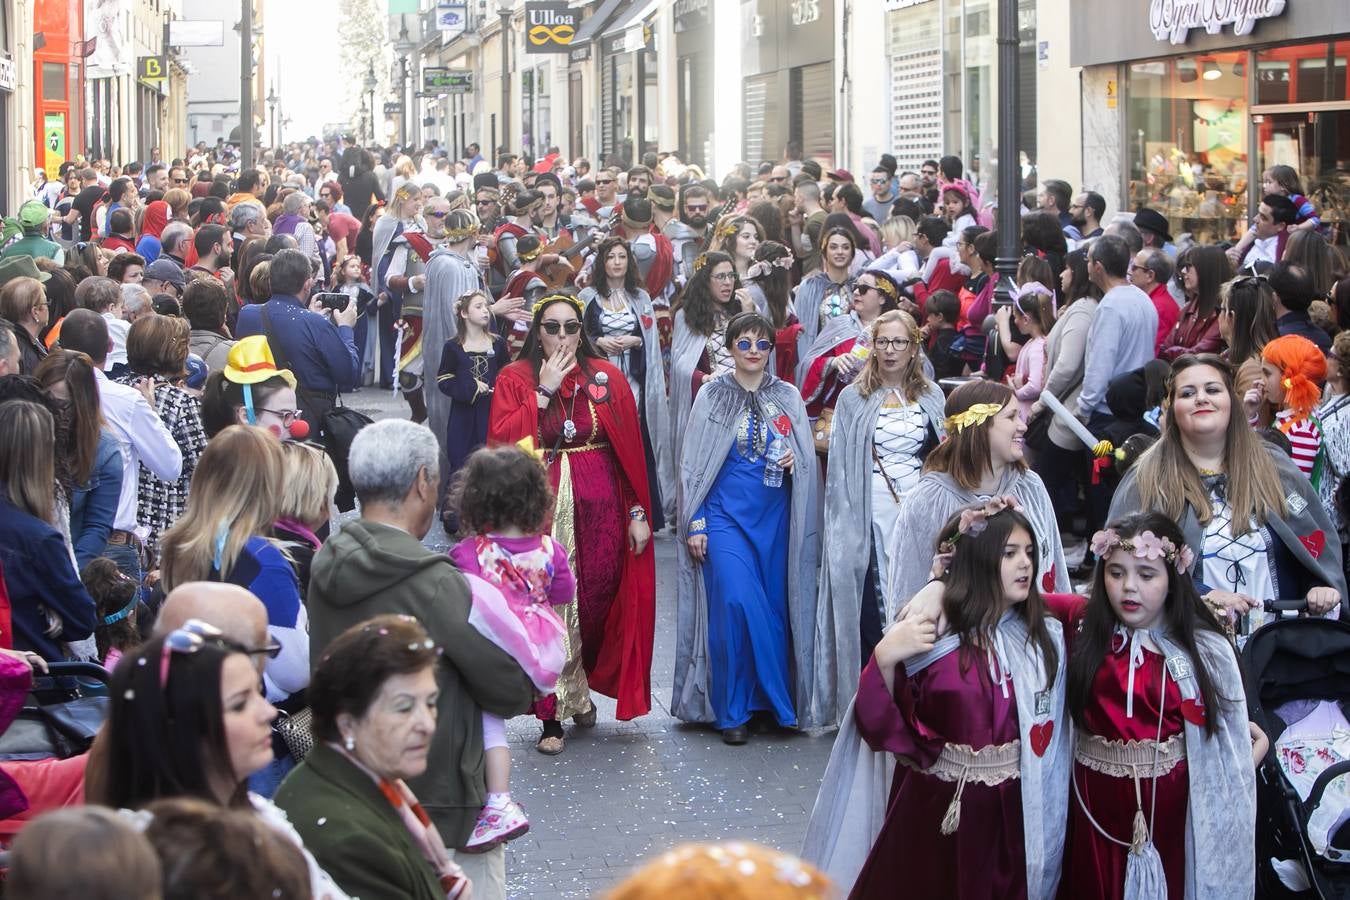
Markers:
point(484, 202)
point(196, 634)
point(876, 181)
point(552, 326)
point(439, 215)
point(763, 345)
point(901, 344)
point(287, 416)
point(723, 276)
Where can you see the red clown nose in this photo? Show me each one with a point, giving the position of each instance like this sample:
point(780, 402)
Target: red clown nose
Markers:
point(299, 430)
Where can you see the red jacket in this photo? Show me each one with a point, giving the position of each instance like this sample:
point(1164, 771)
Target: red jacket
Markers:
point(944, 279)
point(1168, 313)
point(1193, 334)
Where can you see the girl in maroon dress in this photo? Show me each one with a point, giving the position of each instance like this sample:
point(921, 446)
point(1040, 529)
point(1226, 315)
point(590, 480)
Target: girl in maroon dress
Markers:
point(975, 719)
point(1155, 692)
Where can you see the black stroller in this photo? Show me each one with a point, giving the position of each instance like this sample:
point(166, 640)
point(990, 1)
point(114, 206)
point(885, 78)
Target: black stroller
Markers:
point(1291, 660)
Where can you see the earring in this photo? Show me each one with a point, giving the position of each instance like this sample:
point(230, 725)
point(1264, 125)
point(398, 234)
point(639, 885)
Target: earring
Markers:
point(349, 742)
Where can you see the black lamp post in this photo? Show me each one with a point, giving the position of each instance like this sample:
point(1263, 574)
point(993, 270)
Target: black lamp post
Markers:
point(1009, 220)
point(272, 101)
point(404, 48)
point(504, 10)
point(371, 83)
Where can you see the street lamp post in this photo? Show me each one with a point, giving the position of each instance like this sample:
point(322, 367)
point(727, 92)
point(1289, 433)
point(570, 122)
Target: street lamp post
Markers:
point(371, 83)
point(1009, 172)
point(404, 48)
point(504, 10)
point(272, 100)
point(246, 84)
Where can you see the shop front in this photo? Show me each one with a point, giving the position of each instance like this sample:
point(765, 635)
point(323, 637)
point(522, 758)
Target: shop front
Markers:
point(694, 67)
point(787, 70)
point(1208, 96)
point(628, 90)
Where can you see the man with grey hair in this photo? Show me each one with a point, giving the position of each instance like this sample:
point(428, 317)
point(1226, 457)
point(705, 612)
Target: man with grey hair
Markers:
point(247, 220)
point(9, 350)
point(136, 302)
point(294, 220)
point(377, 564)
point(1150, 271)
point(174, 241)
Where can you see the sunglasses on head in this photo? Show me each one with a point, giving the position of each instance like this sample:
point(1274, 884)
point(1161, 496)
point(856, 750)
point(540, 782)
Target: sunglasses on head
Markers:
point(196, 634)
point(763, 345)
point(553, 326)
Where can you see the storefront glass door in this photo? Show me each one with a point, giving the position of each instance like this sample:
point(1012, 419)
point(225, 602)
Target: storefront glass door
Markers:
point(1317, 145)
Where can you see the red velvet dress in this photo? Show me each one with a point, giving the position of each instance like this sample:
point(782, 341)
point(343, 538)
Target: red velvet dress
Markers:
point(821, 386)
point(1093, 865)
point(616, 591)
point(985, 858)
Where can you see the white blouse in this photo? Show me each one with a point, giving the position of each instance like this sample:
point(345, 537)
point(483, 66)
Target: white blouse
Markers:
point(896, 442)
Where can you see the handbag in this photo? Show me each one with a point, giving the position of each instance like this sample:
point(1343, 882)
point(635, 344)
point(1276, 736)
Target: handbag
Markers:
point(297, 732)
point(824, 425)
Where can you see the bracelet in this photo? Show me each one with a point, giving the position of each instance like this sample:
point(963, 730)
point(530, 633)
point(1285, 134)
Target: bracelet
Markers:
point(637, 513)
point(543, 391)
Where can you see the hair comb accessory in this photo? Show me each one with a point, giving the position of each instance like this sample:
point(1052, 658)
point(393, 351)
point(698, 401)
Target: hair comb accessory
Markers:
point(975, 415)
point(885, 286)
point(758, 270)
point(700, 261)
point(727, 228)
point(1144, 545)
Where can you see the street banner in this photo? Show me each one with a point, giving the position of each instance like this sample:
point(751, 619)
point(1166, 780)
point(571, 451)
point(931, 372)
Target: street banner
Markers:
point(106, 21)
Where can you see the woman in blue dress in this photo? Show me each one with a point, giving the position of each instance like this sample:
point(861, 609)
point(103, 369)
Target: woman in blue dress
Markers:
point(747, 585)
point(470, 362)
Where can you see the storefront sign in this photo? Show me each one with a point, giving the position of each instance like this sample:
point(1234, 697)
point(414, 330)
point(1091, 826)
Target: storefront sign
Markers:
point(53, 140)
point(451, 19)
point(393, 109)
point(1112, 95)
point(1173, 19)
point(437, 80)
point(9, 75)
point(151, 69)
point(636, 37)
point(804, 12)
point(549, 27)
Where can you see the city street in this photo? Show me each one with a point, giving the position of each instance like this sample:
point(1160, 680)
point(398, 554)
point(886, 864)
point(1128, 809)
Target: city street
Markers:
point(625, 791)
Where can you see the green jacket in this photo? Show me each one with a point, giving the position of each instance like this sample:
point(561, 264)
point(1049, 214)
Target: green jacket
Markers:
point(353, 832)
point(368, 569)
point(34, 245)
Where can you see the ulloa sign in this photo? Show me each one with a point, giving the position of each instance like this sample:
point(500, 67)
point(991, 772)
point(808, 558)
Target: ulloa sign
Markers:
point(1173, 19)
point(549, 27)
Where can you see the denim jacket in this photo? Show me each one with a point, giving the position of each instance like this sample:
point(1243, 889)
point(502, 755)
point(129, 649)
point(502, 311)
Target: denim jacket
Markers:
point(93, 505)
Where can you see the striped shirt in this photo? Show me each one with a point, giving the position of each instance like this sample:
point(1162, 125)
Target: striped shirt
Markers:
point(1305, 438)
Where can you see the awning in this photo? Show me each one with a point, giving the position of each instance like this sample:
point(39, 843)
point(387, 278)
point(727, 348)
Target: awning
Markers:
point(634, 15)
point(591, 27)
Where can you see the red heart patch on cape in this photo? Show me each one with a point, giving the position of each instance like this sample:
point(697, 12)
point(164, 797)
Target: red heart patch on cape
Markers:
point(1048, 580)
point(1193, 712)
point(783, 425)
point(598, 392)
point(647, 321)
point(1315, 542)
point(1040, 737)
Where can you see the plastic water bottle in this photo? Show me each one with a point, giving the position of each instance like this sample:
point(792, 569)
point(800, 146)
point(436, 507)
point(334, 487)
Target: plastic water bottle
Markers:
point(773, 472)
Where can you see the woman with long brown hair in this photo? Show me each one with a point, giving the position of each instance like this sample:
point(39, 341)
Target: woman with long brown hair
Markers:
point(1202, 271)
point(739, 237)
point(827, 293)
point(982, 457)
point(95, 458)
point(1253, 521)
point(1247, 324)
point(44, 589)
point(885, 424)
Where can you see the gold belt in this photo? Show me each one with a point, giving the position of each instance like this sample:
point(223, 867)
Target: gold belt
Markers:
point(599, 445)
point(1130, 759)
point(960, 763)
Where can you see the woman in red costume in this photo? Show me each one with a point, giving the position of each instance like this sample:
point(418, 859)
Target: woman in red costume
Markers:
point(579, 410)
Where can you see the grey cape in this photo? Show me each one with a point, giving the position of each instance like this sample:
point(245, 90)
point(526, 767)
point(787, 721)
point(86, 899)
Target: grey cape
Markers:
point(655, 407)
point(449, 277)
point(686, 350)
point(932, 502)
point(850, 808)
point(810, 294)
point(847, 541)
point(711, 430)
point(1305, 517)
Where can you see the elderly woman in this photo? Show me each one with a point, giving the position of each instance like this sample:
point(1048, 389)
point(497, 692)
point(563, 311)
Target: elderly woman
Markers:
point(373, 701)
point(157, 350)
point(621, 323)
point(186, 719)
point(1254, 522)
point(885, 424)
point(747, 607)
point(577, 407)
point(24, 304)
point(294, 220)
point(981, 458)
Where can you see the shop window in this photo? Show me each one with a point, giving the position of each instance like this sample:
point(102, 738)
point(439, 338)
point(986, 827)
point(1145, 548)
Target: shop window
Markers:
point(1187, 127)
point(1315, 144)
point(53, 81)
point(1309, 73)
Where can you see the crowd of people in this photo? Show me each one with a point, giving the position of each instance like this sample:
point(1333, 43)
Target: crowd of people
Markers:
point(1096, 492)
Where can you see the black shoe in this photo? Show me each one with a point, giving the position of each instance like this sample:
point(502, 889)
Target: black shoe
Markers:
point(735, 736)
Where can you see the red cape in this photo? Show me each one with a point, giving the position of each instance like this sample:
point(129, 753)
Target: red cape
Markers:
point(663, 265)
point(623, 668)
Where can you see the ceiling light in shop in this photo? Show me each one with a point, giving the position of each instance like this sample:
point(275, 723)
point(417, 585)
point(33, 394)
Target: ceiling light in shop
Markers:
point(1239, 69)
point(1212, 72)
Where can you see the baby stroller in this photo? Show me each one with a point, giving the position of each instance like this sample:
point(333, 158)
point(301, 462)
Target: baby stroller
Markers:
point(1292, 666)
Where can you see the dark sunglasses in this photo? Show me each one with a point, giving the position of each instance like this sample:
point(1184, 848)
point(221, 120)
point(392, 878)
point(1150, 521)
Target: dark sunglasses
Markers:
point(180, 181)
point(439, 215)
point(600, 181)
point(553, 326)
point(762, 345)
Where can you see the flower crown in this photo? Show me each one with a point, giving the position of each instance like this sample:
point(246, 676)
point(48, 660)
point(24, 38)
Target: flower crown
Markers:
point(975, 415)
point(727, 228)
point(765, 267)
point(1144, 545)
point(550, 298)
point(976, 519)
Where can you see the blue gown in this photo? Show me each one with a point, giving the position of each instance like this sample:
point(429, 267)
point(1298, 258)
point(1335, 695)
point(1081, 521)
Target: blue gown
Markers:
point(745, 576)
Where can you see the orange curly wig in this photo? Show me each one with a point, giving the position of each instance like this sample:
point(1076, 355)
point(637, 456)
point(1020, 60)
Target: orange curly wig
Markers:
point(1303, 368)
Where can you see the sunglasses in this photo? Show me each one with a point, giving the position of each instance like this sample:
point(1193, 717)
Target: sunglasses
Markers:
point(180, 181)
point(600, 181)
point(439, 215)
point(484, 202)
point(196, 634)
point(861, 288)
point(553, 327)
point(763, 345)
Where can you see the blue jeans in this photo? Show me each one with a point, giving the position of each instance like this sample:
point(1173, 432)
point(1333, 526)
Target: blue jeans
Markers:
point(128, 559)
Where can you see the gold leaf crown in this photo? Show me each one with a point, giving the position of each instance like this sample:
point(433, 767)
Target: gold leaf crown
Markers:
point(530, 255)
point(550, 298)
point(975, 415)
point(455, 235)
point(700, 261)
point(727, 228)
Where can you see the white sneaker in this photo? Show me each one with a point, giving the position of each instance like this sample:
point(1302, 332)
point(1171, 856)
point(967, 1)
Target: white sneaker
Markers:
point(497, 825)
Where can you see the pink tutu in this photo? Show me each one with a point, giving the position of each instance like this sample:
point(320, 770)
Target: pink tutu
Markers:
point(511, 604)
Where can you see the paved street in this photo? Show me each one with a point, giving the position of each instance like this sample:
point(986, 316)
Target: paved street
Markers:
point(624, 791)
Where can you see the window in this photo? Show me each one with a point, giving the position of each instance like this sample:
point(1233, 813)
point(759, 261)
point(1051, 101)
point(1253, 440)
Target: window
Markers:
point(1310, 73)
point(1187, 123)
point(53, 81)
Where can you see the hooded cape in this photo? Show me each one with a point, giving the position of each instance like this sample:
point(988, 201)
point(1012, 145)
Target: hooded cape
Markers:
point(810, 294)
point(847, 816)
point(711, 430)
point(847, 541)
point(449, 277)
point(685, 352)
point(933, 500)
point(656, 407)
point(623, 669)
